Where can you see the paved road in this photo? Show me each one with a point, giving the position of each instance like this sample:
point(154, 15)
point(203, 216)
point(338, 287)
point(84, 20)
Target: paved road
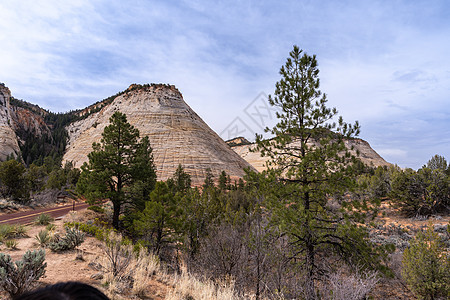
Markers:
point(27, 217)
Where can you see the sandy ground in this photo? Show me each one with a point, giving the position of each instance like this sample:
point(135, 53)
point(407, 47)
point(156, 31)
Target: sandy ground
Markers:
point(63, 267)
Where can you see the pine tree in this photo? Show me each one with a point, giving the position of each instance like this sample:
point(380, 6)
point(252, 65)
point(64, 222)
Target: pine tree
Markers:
point(159, 222)
point(13, 181)
point(180, 181)
point(437, 162)
point(117, 163)
point(312, 164)
point(209, 182)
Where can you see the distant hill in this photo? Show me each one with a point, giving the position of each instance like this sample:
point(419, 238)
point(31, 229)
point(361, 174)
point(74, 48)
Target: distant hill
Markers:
point(366, 154)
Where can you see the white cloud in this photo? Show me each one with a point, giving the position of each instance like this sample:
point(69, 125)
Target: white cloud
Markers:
point(383, 63)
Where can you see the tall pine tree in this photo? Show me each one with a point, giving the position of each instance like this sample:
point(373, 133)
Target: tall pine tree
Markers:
point(116, 164)
point(313, 165)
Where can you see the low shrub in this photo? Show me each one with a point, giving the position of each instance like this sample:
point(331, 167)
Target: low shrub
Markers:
point(95, 231)
point(43, 219)
point(342, 286)
point(50, 227)
point(96, 208)
point(187, 286)
point(71, 240)
point(426, 265)
point(145, 265)
point(43, 238)
point(11, 244)
point(16, 277)
point(8, 231)
point(118, 255)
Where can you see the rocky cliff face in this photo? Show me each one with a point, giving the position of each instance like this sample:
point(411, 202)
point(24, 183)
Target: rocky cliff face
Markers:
point(8, 139)
point(177, 134)
point(366, 153)
point(28, 121)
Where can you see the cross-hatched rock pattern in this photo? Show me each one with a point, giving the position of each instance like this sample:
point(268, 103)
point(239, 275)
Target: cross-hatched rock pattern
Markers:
point(366, 154)
point(177, 134)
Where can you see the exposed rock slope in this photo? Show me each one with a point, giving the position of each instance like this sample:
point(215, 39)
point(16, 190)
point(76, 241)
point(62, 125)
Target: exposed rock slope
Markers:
point(177, 134)
point(367, 155)
point(8, 139)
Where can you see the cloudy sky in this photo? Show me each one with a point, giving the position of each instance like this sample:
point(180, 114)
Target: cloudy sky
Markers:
point(384, 63)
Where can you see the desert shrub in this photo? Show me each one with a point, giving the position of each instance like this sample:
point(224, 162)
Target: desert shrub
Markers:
point(43, 219)
point(8, 231)
point(16, 277)
point(20, 231)
point(43, 238)
point(93, 230)
point(11, 244)
point(426, 265)
point(71, 240)
point(118, 255)
point(50, 227)
point(96, 208)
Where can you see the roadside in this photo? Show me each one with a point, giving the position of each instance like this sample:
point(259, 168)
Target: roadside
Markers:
point(26, 217)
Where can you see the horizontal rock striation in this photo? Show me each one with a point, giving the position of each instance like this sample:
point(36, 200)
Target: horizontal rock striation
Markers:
point(366, 154)
point(177, 134)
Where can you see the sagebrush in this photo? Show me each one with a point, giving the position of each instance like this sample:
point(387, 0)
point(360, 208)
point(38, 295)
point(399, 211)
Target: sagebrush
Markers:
point(16, 277)
point(71, 240)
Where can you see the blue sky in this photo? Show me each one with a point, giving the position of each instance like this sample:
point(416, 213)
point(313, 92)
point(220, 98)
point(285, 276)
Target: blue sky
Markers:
point(384, 63)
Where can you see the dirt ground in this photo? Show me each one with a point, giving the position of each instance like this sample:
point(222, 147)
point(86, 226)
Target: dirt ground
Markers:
point(62, 267)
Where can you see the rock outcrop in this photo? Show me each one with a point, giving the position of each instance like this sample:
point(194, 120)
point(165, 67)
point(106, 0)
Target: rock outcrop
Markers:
point(8, 139)
point(177, 134)
point(366, 154)
point(26, 121)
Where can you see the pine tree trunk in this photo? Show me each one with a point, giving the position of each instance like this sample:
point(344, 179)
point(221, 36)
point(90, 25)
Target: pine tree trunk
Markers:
point(116, 213)
point(310, 288)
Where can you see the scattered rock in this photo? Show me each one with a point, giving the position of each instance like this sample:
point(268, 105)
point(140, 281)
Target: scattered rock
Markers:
point(97, 276)
point(95, 266)
point(79, 257)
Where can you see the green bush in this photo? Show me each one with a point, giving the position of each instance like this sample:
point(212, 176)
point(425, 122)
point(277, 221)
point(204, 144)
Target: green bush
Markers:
point(92, 230)
point(11, 244)
point(96, 208)
point(71, 240)
point(12, 176)
point(16, 277)
point(43, 219)
point(50, 227)
point(8, 231)
point(421, 193)
point(426, 265)
point(43, 238)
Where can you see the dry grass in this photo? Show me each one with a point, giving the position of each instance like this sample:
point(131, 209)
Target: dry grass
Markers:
point(350, 286)
point(144, 266)
point(187, 286)
point(126, 270)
